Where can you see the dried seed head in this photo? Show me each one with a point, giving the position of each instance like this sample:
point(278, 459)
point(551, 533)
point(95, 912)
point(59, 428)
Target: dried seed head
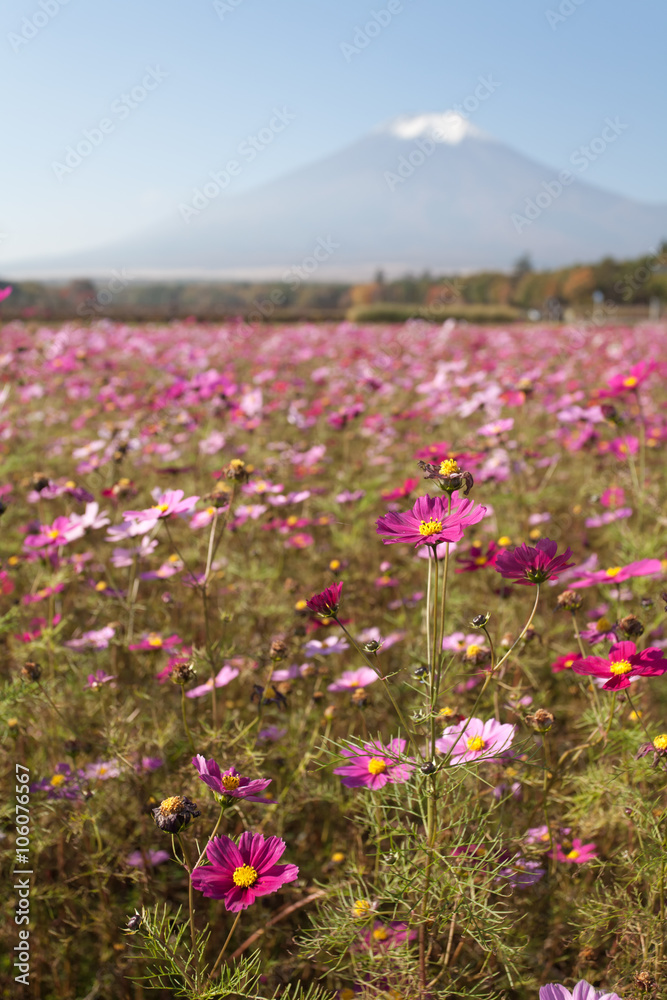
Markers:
point(31, 671)
point(631, 626)
point(175, 812)
point(182, 673)
point(645, 982)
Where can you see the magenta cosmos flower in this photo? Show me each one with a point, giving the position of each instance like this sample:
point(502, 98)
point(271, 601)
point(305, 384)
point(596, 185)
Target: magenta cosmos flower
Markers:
point(238, 874)
point(167, 503)
point(473, 740)
point(62, 531)
point(230, 782)
point(374, 765)
point(578, 854)
point(618, 574)
point(531, 565)
point(326, 603)
point(582, 991)
point(619, 384)
point(352, 679)
point(622, 664)
point(154, 641)
point(428, 523)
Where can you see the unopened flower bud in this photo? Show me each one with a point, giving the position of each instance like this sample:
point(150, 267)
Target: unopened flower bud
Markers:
point(278, 650)
point(372, 646)
point(428, 768)
point(570, 600)
point(541, 720)
point(134, 922)
point(479, 621)
point(329, 711)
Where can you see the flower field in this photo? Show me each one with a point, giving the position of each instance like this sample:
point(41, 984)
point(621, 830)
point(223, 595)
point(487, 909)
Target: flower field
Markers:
point(333, 661)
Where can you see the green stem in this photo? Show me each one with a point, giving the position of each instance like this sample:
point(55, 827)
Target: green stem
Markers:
point(224, 947)
point(373, 667)
point(185, 721)
point(191, 909)
point(611, 714)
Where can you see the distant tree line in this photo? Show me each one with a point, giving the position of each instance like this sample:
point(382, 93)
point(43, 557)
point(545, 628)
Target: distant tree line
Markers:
point(626, 284)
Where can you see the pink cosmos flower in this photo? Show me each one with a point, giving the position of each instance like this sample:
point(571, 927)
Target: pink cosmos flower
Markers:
point(239, 874)
point(95, 639)
point(353, 679)
point(582, 991)
point(618, 384)
point(98, 679)
point(101, 771)
point(375, 765)
point(622, 664)
point(326, 603)
point(167, 503)
point(565, 662)
point(5, 292)
point(222, 678)
point(428, 523)
point(388, 935)
point(617, 574)
point(472, 740)
point(230, 782)
point(62, 531)
point(136, 858)
point(530, 565)
point(579, 853)
point(155, 642)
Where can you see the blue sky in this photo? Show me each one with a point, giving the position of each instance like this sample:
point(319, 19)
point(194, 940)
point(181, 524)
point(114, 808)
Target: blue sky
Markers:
point(216, 69)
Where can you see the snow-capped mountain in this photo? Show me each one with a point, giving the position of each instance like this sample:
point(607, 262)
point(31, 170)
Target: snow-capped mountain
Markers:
point(422, 191)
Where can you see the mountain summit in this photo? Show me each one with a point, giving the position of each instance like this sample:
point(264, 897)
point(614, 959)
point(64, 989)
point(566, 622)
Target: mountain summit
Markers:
point(426, 191)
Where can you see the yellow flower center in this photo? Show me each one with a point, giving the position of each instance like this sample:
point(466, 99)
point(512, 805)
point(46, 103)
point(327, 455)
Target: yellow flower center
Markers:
point(377, 766)
point(361, 908)
point(504, 541)
point(660, 742)
point(446, 712)
point(171, 805)
point(472, 651)
point(162, 507)
point(58, 779)
point(572, 855)
point(620, 667)
point(292, 520)
point(230, 781)
point(430, 527)
point(614, 570)
point(475, 743)
point(100, 586)
point(568, 663)
point(449, 467)
point(300, 605)
point(53, 533)
point(480, 561)
point(337, 857)
point(334, 564)
point(155, 640)
point(244, 876)
point(603, 625)
point(380, 934)
point(630, 382)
